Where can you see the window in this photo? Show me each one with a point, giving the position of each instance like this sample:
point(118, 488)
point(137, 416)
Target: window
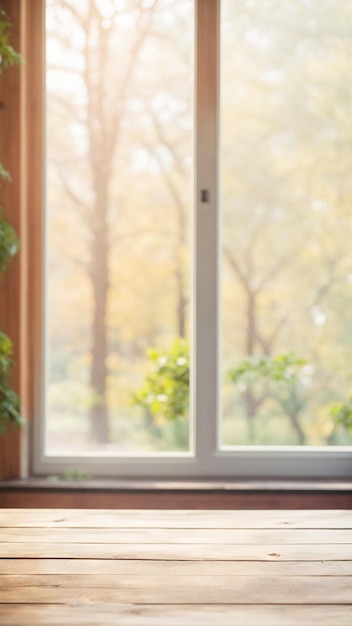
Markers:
point(236, 261)
point(119, 192)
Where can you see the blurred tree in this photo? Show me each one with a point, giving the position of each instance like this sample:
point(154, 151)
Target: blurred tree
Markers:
point(100, 108)
point(119, 184)
point(278, 377)
point(287, 112)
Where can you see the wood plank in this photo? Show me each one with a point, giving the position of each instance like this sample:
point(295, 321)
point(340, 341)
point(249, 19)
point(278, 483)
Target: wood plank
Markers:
point(170, 568)
point(181, 535)
point(177, 589)
point(95, 518)
point(149, 568)
point(223, 552)
point(270, 584)
point(174, 615)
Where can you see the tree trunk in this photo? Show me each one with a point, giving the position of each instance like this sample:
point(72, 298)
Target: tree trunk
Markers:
point(181, 301)
point(251, 402)
point(298, 429)
point(251, 405)
point(293, 412)
point(100, 284)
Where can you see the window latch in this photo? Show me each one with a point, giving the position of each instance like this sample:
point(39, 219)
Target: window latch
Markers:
point(204, 195)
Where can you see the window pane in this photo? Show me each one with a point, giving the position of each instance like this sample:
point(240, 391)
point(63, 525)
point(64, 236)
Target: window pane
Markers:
point(119, 163)
point(286, 151)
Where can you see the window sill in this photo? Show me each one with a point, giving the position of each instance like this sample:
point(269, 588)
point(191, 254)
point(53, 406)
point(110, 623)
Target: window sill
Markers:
point(185, 494)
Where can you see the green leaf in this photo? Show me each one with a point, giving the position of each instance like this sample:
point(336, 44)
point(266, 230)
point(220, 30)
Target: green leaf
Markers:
point(282, 368)
point(9, 243)
point(342, 413)
point(165, 392)
point(4, 174)
point(8, 56)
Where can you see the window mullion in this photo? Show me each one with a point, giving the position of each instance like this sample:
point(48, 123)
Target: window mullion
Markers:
point(206, 229)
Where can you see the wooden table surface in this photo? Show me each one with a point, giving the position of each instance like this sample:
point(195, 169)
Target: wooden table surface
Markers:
point(175, 568)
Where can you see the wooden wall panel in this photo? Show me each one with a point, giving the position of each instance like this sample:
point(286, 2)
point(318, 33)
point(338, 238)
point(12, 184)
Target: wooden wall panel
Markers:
point(12, 317)
point(21, 153)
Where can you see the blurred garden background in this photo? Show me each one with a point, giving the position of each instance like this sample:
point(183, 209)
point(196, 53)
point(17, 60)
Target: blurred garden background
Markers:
point(119, 98)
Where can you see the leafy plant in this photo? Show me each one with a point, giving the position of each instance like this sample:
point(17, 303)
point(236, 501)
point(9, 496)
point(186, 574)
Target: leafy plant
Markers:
point(281, 368)
point(4, 174)
point(165, 393)
point(9, 402)
point(9, 245)
point(8, 56)
point(279, 377)
point(342, 413)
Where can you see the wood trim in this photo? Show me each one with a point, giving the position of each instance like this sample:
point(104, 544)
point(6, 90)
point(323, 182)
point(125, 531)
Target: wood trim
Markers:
point(176, 500)
point(21, 153)
point(178, 495)
point(13, 284)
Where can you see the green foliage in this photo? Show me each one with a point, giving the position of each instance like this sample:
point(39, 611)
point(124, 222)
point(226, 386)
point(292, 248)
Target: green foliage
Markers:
point(70, 474)
point(9, 244)
point(4, 174)
point(165, 393)
point(8, 56)
point(279, 378)
point(282, 368)
point(342, 413)
point(9, 402)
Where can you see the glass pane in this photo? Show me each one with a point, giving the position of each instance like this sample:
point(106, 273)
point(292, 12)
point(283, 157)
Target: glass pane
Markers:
point(286, 152)
point(119, 169)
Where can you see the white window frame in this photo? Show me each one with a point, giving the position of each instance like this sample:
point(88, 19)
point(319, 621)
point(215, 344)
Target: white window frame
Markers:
point(206, 460)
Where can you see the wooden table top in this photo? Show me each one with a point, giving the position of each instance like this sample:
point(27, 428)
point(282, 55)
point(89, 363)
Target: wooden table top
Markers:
point(175, 568)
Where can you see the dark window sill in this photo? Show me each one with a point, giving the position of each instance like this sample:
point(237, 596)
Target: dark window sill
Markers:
point(158, 494)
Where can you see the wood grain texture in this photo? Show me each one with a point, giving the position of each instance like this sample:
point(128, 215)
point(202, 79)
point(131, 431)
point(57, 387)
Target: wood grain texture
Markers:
point(174, 615)
point(21, 149)
point(94, 518)
point(183, 552)
point(175, 536)
point(151, 567)
point(165, 568)
point(180, 590)
point(12, 311)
